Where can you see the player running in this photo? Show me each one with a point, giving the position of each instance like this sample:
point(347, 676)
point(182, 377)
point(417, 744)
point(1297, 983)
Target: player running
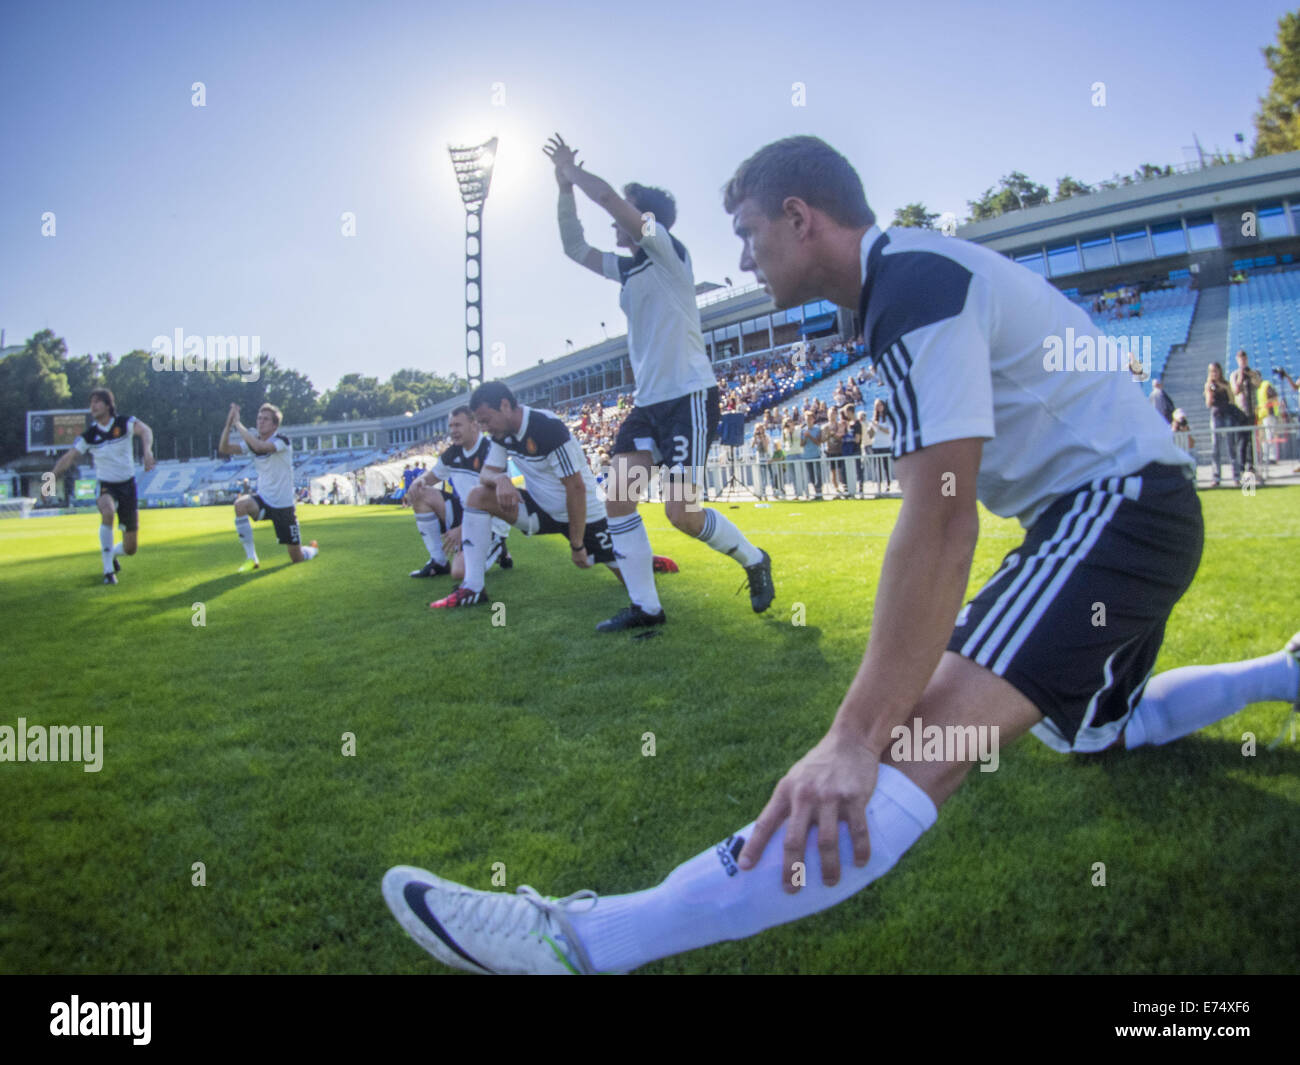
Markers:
point(273, 459)
point(559, 496)
point(108, 440)
point(675, 417)
point(439, 515)
point(960, 335)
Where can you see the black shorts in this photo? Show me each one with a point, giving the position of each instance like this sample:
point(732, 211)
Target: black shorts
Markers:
point(128, 505)
point(455, 511)
point(677, 432)
point(1075, 616)
point(283, 519)
point(534, 521)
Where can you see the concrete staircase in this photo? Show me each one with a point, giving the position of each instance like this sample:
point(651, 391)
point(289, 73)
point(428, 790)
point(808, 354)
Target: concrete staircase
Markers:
point(1207, 342)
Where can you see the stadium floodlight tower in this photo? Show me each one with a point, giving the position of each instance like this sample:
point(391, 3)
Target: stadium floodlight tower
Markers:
point(473, 168)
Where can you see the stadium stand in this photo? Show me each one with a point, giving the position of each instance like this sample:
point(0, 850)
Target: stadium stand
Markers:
point(1264, 318)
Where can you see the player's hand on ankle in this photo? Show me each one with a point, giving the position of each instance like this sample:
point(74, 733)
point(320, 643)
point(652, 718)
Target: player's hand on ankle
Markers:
point(831, 783)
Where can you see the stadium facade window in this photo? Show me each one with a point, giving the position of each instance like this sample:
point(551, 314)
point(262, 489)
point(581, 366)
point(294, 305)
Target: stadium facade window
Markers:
point(1295, 217)
point(1033, 260)
point(1098, 252)
point(732, 332)
point(1168, 238)
point(1202, 233)
point(1063, 259)
point(1272, 222)
point(1133, 245)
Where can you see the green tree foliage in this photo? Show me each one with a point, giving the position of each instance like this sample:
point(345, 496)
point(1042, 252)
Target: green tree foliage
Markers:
point(31, 379)
point(1277, 123)
point(914, 216)
point(1013, 192)
point(1068, 186)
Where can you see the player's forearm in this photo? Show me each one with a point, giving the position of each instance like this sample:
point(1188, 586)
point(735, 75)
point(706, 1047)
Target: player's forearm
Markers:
point(572, 237)
point(597, 189)
point(922, 584)
point(575, 503)
point(146, 438)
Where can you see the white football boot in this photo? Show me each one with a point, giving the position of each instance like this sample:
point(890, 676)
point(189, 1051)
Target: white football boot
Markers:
point(487, 931)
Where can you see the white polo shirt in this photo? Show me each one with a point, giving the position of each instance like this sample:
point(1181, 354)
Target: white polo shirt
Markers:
point(971, 344)
point(664, 341)
point(544, 450)
point(274, 471)
point(109, 446)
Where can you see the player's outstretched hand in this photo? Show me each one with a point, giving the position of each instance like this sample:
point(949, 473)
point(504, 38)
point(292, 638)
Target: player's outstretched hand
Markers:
point(829, 784)
point(580, 559)
point(564, 158)
point(233, 415)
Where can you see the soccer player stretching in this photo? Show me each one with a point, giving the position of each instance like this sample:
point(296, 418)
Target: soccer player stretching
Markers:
point(676, 415)
point(559, 495)
point(438, 515)
point(109, 442)
point(961, 337)
point(273, 458)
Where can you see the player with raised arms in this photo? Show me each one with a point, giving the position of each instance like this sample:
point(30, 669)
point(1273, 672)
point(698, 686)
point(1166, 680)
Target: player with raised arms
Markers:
point(559, 496)
point(439, 516)
point(1111, 517)
point(676, 413)
point(108, 441)
point(272, 454)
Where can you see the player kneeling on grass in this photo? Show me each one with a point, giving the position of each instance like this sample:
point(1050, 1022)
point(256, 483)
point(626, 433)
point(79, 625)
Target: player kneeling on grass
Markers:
point(438, 516)
point(108, 440)
point(273, 459)
point(559, 496)
point(1110, 512)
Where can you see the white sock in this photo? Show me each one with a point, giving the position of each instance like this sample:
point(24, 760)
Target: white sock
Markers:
point(709, 899)
point(635, 561)
point(119, 548)
point(308, 552)
point(1180, 701)
point(430, 529)
point(244, 527)
point(106, 546)
point(475, 539)
point(723, 536)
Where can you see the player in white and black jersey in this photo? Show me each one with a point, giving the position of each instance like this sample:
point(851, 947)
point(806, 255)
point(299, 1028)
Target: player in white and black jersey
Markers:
point(272, 454)
point(559, 496)
point(985, 408)
point(108, 442)
point(438, 514)
point(676, 413)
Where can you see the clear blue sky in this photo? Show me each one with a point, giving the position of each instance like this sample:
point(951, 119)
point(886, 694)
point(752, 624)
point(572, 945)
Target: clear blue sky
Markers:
point(225, 219)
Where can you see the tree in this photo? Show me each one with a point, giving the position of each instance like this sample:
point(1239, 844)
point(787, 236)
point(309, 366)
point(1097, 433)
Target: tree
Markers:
point(31, 379)
point(914, 216)
point(1277, 123)
point(1013, 192)
point(1068, 186)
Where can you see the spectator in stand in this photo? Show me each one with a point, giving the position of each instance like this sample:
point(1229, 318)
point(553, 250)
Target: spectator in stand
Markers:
point(1224, 415)
point(1182, 431)
point(762, 451)
point(835, 429)
point(810, 439)
point(854, 435)
point(1160, 400)
point(881, 434)
point(1245, 391)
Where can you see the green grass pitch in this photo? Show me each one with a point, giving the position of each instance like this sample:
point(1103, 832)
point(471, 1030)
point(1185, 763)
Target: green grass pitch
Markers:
point(521, 744)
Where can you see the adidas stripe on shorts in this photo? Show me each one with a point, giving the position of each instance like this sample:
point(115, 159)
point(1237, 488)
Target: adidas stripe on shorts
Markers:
point(1075, 615)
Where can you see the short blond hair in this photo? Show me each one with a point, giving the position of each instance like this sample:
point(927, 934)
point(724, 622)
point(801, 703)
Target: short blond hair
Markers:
point(275, 412)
